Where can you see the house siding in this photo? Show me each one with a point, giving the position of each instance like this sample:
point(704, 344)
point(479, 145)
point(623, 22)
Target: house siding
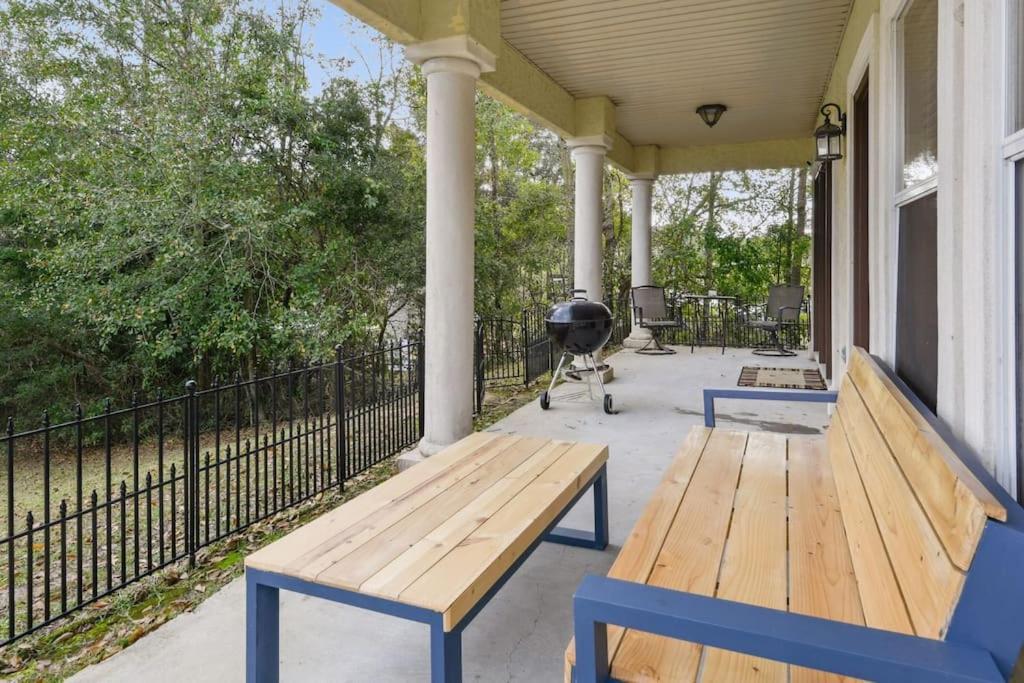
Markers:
point(975, 384)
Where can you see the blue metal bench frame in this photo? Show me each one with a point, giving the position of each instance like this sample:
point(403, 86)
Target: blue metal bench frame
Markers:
point(262, 618)
point(982, 643)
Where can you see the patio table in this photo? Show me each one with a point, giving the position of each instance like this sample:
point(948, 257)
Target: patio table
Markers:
point(432, 544)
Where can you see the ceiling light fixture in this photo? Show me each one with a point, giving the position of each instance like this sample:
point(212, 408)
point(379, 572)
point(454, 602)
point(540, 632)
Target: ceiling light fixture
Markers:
point(710, 113)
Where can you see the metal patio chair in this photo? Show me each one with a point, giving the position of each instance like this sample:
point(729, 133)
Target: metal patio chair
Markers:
point(781, 313)
point(651, 312)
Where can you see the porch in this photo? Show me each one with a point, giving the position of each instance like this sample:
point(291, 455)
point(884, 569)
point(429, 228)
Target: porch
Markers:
point(523, 634)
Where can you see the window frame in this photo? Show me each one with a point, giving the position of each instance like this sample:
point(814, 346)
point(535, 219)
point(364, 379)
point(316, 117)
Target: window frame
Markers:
point(905, 194)
point(1012, 155)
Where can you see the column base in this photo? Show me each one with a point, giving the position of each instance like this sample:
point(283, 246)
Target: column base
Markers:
point(424, 449)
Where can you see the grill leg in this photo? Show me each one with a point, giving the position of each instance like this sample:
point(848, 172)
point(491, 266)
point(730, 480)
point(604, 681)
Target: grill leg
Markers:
point(597, 374)
point(557, 373)
point(590, 382)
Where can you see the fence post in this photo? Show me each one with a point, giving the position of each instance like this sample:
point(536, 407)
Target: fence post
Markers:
point(191, 472)
point(421, 408)
point(341, 448)
point(526, 347)
point(478, 388)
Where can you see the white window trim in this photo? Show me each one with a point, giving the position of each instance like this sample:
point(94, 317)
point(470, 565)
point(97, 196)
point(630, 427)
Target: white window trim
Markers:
point(904, 194)
point(915, 192)
point(1013, 152)
point(1013, 146)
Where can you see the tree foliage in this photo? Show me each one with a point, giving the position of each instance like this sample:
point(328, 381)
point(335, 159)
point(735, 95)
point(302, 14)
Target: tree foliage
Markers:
point(176, 203)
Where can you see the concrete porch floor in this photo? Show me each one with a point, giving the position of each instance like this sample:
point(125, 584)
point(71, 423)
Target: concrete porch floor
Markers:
point(521, 635)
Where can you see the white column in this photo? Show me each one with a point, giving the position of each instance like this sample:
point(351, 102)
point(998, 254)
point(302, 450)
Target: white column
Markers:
point(588, 256)
point(641, 249)
point(448, 324)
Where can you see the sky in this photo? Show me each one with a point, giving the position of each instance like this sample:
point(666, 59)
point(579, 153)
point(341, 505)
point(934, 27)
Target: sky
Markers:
point(334, 35)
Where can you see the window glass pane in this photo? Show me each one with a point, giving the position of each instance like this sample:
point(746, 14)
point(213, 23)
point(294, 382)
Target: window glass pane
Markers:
point(1017, 64)
point(920, 101)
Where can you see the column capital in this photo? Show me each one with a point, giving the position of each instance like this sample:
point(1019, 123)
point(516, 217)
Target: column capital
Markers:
point(641, 178)
point(453, 48)
point(593, 144)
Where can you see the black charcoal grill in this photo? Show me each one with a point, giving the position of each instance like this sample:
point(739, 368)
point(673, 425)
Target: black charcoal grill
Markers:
point(579, 327)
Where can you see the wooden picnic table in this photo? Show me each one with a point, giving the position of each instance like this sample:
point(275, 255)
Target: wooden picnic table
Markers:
point(433, 543)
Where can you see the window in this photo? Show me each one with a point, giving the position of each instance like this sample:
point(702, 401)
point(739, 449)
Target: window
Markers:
point(919, 30)
point(917, 203)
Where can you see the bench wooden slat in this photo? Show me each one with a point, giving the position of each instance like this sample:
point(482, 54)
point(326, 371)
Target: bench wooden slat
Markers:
point(397, 575)
point(754, 566)
point(929, 580)
point(455, 583)
point(636, 559)
point(688, 561)
point(880, 596)
point(280, 554)
point(313, 563)
point(821, 577)
point(956, 502)
point(365, 560)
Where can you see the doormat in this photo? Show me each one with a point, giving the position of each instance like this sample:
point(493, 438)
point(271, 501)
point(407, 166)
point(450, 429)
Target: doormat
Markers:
point(781, 378)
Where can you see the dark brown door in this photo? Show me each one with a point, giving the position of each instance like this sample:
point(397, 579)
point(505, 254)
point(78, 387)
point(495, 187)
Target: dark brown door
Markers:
point(821, 283)
point(917, 310)
point(861, 222)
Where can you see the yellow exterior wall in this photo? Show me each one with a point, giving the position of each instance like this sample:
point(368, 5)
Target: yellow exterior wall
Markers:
point(860, 18)
point(399, 20)
point(737, 157)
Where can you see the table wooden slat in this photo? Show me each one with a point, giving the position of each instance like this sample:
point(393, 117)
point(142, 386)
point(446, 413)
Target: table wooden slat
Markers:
point(277, 556)
point(311, 565)
point(375, 553)
point(457, 581)
point(441, 534)
point(398, 574)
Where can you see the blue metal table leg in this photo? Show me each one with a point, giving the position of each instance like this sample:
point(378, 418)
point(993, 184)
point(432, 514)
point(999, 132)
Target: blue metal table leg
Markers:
point(262, 631)
point(445, 654)
point(598, 538)
point(601, 509)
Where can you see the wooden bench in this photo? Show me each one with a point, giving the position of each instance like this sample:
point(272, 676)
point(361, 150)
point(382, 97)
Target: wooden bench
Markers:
point(432, 544)
point(873, 552)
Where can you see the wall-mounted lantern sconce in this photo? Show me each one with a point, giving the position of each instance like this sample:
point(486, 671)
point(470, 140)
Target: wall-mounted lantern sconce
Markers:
point(710, 113)
point(827, 136)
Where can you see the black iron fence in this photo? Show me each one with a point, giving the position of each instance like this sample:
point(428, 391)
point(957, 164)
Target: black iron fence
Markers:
point(723, 322)
point(101, 501)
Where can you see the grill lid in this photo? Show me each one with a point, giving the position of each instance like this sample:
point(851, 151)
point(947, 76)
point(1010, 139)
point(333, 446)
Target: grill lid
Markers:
point(578, 309)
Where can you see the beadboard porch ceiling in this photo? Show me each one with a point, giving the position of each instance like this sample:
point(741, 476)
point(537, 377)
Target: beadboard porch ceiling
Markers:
point(657, 60)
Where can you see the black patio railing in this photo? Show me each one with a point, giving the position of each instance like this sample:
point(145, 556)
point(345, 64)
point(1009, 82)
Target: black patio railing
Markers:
point(101, 501)
point(721, 322)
